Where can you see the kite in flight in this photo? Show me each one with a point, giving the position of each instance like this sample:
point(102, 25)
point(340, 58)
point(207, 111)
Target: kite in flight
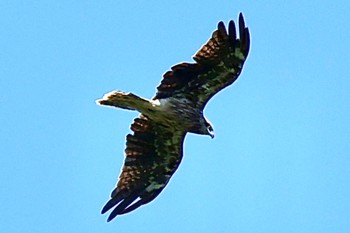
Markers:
point(154, 150)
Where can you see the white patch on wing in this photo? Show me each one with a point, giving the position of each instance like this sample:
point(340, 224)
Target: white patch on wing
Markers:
point(163, 101)
point(162, 104)
point(155, 102)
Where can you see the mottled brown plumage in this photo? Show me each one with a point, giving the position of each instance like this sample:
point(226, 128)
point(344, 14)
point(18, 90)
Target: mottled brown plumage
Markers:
point(154, 150)
point(145, 165)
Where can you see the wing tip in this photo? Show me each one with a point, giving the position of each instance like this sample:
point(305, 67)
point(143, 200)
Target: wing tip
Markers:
point(109, 205)
point(244, 35)
point(111, 217)
point(221, 27)
point(232, 32)
point(240, 16)
point(247, 41)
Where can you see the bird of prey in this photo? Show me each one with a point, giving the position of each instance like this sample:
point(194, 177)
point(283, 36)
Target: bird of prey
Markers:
point(154, 150)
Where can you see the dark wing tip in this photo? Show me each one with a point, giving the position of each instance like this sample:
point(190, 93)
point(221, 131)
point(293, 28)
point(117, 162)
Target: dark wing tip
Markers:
point(247, 41)
point(119, 208)
point(244, 35)
point(221, 25)
point(104, 209)
point(240, 16)
point(232, 32)
point(110, 204)
point(241, 24)
point(222, 29)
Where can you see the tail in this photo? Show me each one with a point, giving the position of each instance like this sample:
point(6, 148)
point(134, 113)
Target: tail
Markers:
point(124, 100)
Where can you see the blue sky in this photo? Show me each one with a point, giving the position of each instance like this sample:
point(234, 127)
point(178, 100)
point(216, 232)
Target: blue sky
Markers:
point(279, 162)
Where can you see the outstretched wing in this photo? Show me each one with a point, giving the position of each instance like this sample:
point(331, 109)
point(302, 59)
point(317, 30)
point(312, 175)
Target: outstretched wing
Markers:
point(153, 153)
point(218, 64)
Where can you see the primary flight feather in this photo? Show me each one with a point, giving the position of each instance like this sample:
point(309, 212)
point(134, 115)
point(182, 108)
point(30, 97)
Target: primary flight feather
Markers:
point(154, 150)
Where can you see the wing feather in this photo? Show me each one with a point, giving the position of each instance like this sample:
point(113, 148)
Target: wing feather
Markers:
point(218, 64)
point(153, 153)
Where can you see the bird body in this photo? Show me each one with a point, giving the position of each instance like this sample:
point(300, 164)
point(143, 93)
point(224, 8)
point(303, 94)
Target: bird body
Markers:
point(155, 149)
point(177, 113)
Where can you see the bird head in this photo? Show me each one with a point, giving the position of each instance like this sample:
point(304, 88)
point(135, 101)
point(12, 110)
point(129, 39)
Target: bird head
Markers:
point(209, 129)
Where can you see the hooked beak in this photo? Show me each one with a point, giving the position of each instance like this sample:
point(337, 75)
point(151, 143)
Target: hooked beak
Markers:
point(211, 133)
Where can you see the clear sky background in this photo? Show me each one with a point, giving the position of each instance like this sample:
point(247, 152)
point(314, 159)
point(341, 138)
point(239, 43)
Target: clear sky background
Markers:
point(280, 161)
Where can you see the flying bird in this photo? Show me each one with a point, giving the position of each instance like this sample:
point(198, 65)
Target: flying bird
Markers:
point(155, 148)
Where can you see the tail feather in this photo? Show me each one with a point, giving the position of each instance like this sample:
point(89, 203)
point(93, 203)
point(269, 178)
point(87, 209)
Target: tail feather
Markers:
point(123, 100)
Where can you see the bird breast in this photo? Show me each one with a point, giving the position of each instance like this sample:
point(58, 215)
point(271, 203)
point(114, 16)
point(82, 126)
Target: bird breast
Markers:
point(178, 112)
